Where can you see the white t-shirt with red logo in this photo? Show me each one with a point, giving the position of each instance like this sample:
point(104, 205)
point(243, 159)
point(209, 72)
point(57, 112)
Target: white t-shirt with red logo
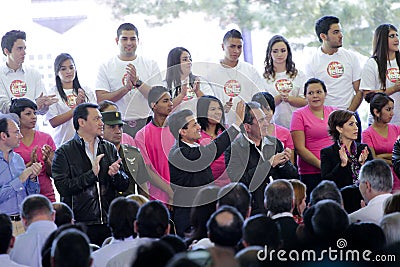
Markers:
point(338, 71)
point(238, 83)
point(112, 76)
point(370, 81)
point(293, 87)
point(65, 131)
point(25, 82)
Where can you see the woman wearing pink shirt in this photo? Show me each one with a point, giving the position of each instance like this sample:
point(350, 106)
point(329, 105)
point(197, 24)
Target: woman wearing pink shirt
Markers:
point(35, 146)
point(381, 135)
point(210, 116)
point(309, 129)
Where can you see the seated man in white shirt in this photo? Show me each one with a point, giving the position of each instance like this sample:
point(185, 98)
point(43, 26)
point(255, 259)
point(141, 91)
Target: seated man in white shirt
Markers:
point(6, 241)
point(376, 183)
point(38, 216)
point(121, 216)
point(152, 222)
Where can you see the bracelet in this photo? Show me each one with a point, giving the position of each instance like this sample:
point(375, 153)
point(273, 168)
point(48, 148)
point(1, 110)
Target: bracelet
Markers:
point(138, 83)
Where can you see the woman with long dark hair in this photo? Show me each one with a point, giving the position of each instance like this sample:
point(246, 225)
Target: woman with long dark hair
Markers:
point(381, 72)
point(382, 134)
point(211, 117)
point(184, 87)
point(284, 80)
point(70, 94)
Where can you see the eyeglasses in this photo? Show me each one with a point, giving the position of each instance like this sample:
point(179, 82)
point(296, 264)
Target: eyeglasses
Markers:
point(16, 133)
point(391, 36)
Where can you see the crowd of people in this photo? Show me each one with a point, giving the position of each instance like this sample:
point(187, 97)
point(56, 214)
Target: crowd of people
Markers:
point(224, 167)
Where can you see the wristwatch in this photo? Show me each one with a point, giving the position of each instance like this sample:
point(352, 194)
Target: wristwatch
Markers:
point(138, 83)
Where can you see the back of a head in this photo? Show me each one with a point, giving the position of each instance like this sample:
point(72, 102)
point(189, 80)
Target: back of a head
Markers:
point(365, 235)
point(248, 257)
point(329, 220)
point(204, 205)
point(152, 219)
point(46, 248)
point(146, 255)
point(140, 199)
point(121, 216)
point(378, 173)
point(390, 224)
point(5, 232)
point(392, 204)
point(64, 214)
point(325, 190)
point(175, 242)
point(71, 249)
point(235, 195)
point(260, 230)
point(279, 197)
point(35, 205)
point(225, 227)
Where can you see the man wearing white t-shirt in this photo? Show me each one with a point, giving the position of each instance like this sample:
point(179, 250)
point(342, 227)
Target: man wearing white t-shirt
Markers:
point(339, 68)
point(20, 81)
point(233, 80)
point(126, 79)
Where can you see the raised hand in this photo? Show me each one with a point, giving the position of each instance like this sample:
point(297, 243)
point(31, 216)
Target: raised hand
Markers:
point(228, 105)
point(96, 164)
point(81, 97)
point(343, 156)
point(363, 156)
point(114, 168)
point(240, 107)
point(44, 101)
point(48, 153)
point(34, 157)
point(30, 172)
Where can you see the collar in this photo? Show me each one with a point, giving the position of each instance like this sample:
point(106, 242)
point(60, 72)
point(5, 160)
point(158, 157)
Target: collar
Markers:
point(10, 154)
point(264, 141)
point(6, 70)
point(280, 215)
point(320, 52)
point(379, 198)
point(191, 145)
point(98, 140)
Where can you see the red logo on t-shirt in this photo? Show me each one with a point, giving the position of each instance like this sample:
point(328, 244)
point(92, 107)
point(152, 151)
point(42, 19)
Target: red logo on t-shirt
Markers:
point(71, 100)
point(232, 88)
point(392, 74)
point(18, 88)
point(284, 86)
point(335, 69)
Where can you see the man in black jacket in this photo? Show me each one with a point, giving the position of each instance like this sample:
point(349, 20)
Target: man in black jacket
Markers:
point(254, 157)
point(86, 172)
point(189, 163)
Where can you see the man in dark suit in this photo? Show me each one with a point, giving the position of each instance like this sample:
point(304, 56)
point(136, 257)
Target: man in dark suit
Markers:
point(189, 163)
point(279, 203)
point(254, 157)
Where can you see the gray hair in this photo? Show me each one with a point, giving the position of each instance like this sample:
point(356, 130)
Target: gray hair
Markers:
point(325, 190)
point(390, 225)
point(377, 172)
